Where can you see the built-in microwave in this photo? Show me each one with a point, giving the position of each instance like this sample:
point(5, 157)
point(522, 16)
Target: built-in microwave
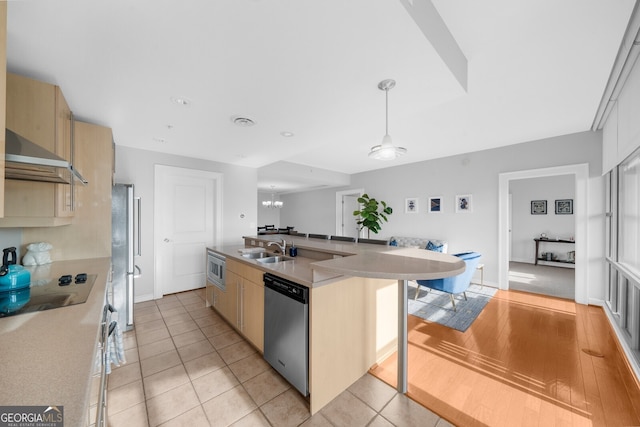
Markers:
point(215, 269)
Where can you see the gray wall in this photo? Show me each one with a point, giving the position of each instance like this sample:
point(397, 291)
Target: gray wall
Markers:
point(310, 211)
point(239, 198)
point(525, 226)
point(472, 173)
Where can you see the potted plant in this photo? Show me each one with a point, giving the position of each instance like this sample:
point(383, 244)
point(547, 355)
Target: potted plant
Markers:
point(372, 213)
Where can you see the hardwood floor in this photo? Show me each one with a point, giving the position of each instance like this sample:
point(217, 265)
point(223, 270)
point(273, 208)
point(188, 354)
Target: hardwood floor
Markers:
point(527, 360)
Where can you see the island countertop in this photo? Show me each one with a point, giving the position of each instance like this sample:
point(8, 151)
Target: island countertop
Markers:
point(398, 264)
point(48, 356)
point(349, 259)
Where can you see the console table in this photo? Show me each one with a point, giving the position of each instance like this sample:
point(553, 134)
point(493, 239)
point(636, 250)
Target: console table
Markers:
point(538, 240)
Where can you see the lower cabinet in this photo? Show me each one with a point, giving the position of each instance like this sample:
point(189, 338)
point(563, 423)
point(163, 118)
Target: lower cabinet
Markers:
point(242, 303)
point(252, 320)
point(226, 302)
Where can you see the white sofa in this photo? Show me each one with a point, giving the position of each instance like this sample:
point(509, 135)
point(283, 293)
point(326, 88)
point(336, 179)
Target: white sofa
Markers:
point(420, 242)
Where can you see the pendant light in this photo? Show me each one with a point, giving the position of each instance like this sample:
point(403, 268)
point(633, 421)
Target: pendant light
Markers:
point(386, 150)
point(273, 203)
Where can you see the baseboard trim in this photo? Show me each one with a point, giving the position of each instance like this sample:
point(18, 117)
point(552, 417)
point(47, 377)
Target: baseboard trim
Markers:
point(143, 298)
point(596, 302)
point(630, 358)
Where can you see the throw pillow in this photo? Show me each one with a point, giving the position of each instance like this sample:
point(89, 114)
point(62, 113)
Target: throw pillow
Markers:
point(433, 247)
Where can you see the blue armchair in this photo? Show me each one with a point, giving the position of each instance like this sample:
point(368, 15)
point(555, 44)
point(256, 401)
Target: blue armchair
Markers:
point(456, 284)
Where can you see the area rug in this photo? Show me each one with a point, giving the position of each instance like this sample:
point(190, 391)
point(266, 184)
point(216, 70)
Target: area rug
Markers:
point(435, 306)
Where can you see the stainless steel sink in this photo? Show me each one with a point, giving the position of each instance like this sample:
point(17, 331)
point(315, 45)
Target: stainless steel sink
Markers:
point(273, 259)
point(257, 255)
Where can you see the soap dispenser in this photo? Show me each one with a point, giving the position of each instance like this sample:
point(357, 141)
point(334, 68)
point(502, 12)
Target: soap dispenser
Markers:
point(293, 251)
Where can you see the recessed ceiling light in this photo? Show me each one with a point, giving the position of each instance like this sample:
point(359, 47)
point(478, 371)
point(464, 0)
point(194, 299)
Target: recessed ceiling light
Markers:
point(242, 121)
point(181, 101)
point(287, 134)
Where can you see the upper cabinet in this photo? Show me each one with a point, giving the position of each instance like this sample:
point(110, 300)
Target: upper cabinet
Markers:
point(39, 112)
point(3, 72)
point(89, 235)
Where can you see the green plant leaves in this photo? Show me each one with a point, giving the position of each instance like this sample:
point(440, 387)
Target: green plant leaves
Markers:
point(370, 216)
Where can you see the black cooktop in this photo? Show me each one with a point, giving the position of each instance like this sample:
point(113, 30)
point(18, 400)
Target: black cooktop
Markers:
point(46, 294)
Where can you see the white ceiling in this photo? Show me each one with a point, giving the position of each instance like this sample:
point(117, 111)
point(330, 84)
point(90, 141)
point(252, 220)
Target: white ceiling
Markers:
point(536, 69)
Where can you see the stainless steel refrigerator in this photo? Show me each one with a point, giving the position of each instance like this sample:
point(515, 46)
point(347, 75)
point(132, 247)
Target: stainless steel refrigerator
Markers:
point(125, 230)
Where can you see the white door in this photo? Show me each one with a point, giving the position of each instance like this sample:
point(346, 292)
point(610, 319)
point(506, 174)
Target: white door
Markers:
point(349, 222)
point(346, 203)
point(185, 218)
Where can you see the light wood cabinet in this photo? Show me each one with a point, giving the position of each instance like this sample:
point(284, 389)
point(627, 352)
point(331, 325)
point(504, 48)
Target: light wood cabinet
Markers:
point(89, 234)
point(242, 304)
point(226, 302)
point(39, 112)
point(65, 202)
point(252, 320)
point(3, 80)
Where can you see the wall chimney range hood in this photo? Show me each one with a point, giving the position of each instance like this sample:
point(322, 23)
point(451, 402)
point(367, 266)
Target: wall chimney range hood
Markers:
point(27, 161)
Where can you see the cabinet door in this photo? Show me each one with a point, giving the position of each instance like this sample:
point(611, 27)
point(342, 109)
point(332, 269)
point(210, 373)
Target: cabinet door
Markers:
point(39, 112)
point(65, 194)
point(89, 235)
point(227, 301)
point(30, 113)
point(31, 106)
point(253, 312)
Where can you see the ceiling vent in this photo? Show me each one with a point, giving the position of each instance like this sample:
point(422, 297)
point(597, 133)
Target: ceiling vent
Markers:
point(244, 122)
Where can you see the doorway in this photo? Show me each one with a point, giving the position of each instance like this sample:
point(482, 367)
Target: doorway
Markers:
point(186, 211)
point(346, 203)
point(532, 215)
point(580, 173)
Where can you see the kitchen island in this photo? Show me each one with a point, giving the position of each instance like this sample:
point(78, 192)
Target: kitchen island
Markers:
point(357, 307)
point(48, 356)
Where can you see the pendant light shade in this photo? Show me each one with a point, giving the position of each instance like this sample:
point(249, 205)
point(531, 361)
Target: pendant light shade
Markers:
point(386, 150)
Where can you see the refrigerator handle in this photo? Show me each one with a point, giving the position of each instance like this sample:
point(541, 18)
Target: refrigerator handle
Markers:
point(135, 267)
point(137, 226)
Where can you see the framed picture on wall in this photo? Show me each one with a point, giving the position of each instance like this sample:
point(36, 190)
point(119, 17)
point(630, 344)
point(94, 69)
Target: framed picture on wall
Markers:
point(538, 207)
point(564, 207)
point(463, 203)
point(411, 205)
point(435, 204)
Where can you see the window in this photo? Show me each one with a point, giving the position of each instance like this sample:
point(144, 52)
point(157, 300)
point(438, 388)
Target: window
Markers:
point(623, 249)
point(610, 219)
point(629, 213)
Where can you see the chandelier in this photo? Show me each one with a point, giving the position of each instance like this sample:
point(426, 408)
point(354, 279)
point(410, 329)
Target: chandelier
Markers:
point(273, 203)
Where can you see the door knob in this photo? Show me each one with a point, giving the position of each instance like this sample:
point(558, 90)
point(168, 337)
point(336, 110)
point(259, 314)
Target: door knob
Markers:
point(166, 240)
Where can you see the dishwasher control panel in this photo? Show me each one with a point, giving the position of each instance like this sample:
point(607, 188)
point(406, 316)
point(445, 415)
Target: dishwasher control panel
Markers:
point(287, 287)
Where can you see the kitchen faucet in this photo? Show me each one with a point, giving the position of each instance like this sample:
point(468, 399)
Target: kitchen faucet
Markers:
point(283, 246)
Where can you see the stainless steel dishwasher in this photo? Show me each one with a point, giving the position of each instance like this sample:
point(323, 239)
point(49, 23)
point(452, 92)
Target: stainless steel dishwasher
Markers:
point(286, 330)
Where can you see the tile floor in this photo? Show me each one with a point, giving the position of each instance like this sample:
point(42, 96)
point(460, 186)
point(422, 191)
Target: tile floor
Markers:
point(187, 367)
